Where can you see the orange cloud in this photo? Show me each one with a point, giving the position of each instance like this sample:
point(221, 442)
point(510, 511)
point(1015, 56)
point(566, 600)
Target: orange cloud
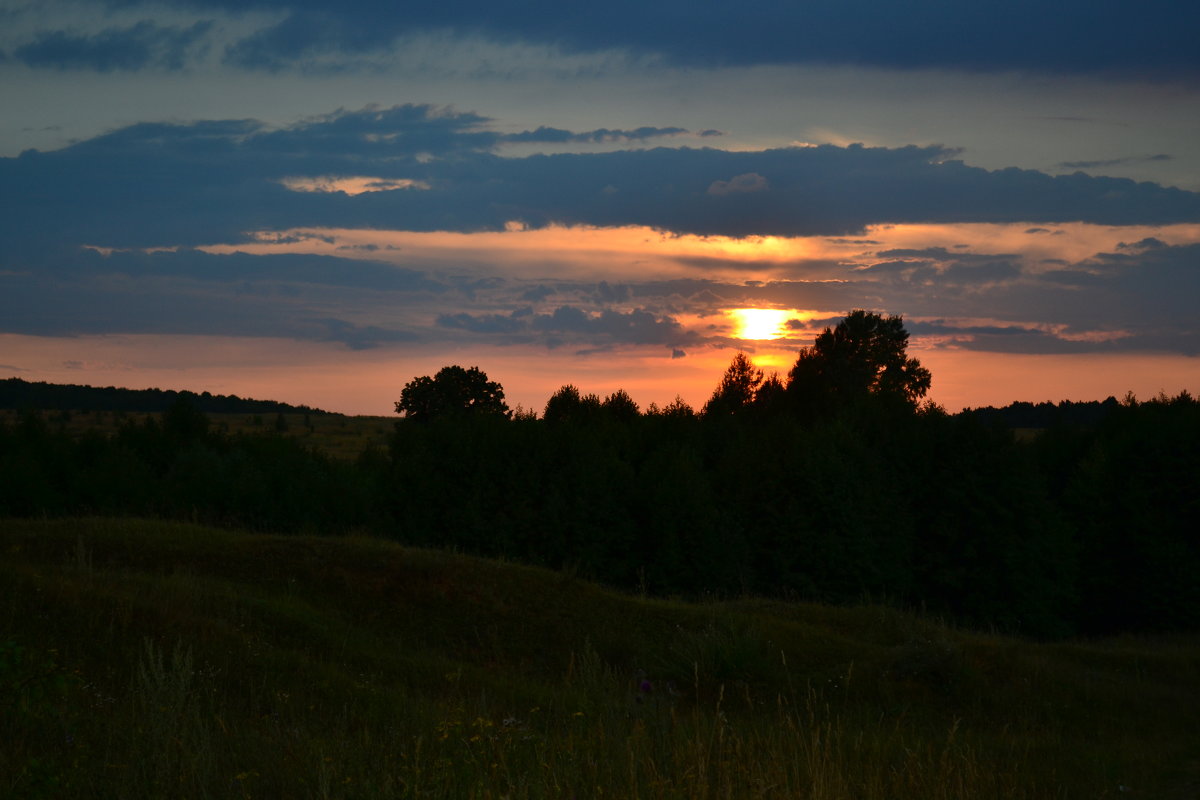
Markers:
point(351, 185)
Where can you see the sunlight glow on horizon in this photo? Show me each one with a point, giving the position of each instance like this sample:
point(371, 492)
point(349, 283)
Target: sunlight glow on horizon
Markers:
point(619, 252)
point(638, 253)
point(723, 294)
point(760, 323)
point(368, 382)
point(1072, 241)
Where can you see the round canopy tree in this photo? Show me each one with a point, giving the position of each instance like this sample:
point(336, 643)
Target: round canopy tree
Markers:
point(454, 391)
point(863, 357)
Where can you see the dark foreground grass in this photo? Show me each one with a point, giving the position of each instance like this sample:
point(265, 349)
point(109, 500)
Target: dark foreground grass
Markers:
point(146, 659)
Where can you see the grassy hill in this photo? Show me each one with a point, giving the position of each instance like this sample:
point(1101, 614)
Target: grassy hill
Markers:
point(16, 393)
point(335, 435)
point(152, 659)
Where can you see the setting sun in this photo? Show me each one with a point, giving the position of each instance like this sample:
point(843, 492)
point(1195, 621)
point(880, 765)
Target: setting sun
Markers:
point(759, 323)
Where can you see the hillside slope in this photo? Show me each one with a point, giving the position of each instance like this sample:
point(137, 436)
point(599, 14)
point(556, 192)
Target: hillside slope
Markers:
point(16, 393)
point(146, 659)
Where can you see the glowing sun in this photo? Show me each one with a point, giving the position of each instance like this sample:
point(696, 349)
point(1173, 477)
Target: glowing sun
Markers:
point(759, 323)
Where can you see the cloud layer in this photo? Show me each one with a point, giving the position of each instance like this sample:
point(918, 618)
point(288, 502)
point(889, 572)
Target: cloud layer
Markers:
point(1150, 38)
point(104, 237)
point(165, 185)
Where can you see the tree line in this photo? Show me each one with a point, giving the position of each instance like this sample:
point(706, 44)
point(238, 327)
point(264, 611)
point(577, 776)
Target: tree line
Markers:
point(862, 362)
point(834, 483)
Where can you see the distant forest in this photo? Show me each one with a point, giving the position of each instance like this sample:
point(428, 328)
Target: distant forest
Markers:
point(826, 486)
point(20, 394)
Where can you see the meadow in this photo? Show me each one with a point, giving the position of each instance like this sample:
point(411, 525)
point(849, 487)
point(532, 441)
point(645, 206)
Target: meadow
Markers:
point(336, 435)
point(143, 658)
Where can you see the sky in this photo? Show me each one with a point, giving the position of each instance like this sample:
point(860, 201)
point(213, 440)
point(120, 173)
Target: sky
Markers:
point(317, 202)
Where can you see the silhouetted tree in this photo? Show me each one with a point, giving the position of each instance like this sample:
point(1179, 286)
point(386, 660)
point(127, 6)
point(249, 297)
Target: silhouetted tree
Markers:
point(771, 396)
point(522, 414)
point(620, 406)
point(568, 404)
point(454, 391)
point(863, 357)
point(676, 409)
point(737, 388)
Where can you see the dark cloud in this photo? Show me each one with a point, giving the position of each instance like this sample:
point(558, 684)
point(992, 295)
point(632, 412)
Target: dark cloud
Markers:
point(102, 304)
point(703, 263)
point(633, 327)
point(538, 293)
point(1014, 339)
point(607, 293)
point(925, 252)
point(1152, 282)
point(938, 266)
point(601, 331)
point(1046, 342)
point(1112, 162)
point(740, 184)
point(361, 337)
point(399, 131)
point(1149, 38)
point(558, 135)
point(158, 184)
point(80, 292)
point(179, 185)
point(942, 254)
point(976, 273)
point(1149, 243)
point(140, 46)
point(484, 323)
point(897, 268)
point(941, 327)
point(1140, 297)
point(74, 292)
point(240, 268)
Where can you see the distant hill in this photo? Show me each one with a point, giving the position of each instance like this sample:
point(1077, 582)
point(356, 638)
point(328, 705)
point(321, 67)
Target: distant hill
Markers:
point(21, 394)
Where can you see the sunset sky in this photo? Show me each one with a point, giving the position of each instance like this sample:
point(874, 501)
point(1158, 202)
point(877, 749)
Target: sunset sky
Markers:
point(316, 202)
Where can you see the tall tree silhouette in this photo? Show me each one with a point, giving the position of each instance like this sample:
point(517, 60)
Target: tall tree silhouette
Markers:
point(737, 388)
point(453, 391)
point(864, 357)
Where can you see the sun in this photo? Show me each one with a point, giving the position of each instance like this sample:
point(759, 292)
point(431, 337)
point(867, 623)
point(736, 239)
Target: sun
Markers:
point(759, 323)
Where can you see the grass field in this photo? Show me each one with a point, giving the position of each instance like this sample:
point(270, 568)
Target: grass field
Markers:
point(335, 435)
point(151, 659)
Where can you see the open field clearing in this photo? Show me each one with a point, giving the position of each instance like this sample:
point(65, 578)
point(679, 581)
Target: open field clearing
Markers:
point(335, 435)
point(148, 659)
